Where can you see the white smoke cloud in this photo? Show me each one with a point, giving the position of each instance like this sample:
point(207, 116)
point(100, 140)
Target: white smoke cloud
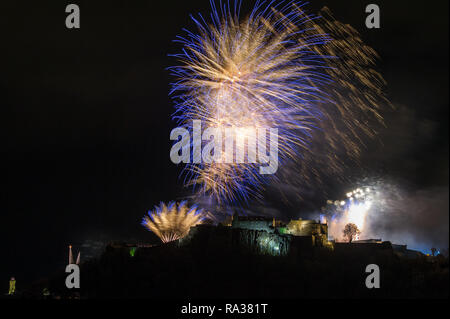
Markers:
point(419, 219)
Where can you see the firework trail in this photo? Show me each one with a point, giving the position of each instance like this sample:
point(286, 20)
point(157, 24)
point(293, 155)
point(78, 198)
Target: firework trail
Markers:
point(276, 68)
point(353, 114)
point(173, 221)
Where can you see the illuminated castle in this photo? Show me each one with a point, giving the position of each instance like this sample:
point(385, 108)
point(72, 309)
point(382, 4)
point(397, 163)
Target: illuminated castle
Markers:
point(298, 227)
point(278, 237)
point(315, 229)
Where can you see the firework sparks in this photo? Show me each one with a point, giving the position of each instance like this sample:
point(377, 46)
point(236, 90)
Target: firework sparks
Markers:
point(276, 68)
point(173, 221)
point(354, 210)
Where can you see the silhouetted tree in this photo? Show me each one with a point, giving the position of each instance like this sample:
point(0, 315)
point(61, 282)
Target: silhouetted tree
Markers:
point(351, 231)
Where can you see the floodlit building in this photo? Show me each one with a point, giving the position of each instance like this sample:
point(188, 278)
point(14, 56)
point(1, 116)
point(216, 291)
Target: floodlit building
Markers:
point(309, 233)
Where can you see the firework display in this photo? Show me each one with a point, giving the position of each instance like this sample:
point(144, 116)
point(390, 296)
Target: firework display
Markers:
point(173, 221)
point(225, 150)
point(279, 68)
point(353, 210)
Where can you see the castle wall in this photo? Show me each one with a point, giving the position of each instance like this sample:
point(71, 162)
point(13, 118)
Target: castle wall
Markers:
point(249, 240)
point(261, 225)
point(306, 228)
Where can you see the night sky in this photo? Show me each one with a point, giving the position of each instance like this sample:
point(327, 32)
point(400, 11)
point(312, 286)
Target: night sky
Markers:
point(85, 116)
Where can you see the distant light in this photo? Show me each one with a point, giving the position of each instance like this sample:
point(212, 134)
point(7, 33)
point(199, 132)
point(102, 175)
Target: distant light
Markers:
point(342, 203)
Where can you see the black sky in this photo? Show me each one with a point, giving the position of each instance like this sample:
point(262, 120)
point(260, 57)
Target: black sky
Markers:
point(85, 114)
